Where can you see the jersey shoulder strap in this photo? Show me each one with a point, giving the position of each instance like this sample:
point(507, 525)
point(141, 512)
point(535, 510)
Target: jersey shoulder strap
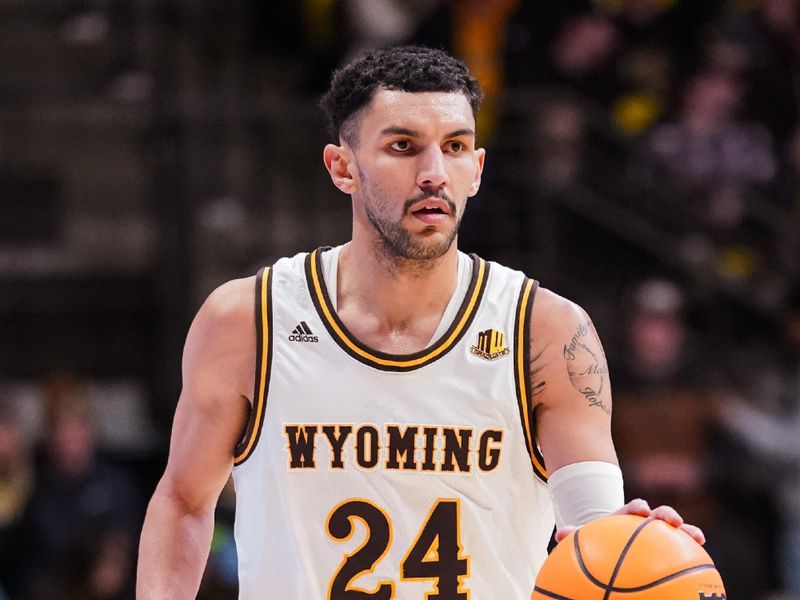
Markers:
point(263, 318)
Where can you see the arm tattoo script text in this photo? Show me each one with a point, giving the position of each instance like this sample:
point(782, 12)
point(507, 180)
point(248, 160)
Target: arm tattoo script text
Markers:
point(587, 367)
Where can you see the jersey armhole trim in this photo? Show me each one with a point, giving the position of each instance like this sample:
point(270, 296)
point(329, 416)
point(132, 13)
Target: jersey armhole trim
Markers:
point(263, 317)
point(522, 378)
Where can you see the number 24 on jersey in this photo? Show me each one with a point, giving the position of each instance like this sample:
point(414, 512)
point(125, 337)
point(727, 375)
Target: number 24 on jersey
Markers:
point(436, 553)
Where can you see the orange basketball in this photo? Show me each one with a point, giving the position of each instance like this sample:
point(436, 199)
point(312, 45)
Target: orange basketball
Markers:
point(627, 557)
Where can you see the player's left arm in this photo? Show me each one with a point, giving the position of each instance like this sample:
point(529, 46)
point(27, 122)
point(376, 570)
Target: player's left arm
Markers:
point(571, 390)
point(571, 397)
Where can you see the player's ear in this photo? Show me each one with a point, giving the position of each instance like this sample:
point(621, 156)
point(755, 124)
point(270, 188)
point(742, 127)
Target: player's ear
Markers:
point(338, 160)
point(480, 156)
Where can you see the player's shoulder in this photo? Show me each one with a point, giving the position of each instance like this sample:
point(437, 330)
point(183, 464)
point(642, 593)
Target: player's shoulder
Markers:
point(553, 305)
point(229, 308)
point(224, 326)
point(553, 314)
point(234, 301)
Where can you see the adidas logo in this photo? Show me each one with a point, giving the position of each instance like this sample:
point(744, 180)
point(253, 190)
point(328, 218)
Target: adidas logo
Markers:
point(302, 333)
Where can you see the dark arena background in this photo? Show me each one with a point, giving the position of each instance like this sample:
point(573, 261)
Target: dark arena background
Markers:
point(643, 160)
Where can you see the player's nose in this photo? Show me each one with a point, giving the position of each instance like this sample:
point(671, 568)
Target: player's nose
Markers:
point(431, 168)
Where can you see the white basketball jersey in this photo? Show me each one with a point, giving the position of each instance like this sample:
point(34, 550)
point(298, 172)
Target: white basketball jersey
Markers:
point(367, 475)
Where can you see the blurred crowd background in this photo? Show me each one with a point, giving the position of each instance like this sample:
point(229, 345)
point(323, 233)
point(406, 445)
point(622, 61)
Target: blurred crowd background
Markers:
point(644, 160)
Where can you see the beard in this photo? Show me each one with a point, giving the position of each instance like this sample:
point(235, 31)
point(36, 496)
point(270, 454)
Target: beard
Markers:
point(394, 240)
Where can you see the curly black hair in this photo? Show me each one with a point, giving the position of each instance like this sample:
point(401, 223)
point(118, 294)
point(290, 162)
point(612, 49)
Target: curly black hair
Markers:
point(403, 68)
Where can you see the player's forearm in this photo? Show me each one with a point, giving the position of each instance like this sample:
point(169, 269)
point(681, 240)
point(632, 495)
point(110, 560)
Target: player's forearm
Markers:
point(173, 550)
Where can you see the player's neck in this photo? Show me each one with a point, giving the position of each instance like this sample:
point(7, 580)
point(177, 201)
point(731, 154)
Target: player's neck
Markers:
point(397, 298)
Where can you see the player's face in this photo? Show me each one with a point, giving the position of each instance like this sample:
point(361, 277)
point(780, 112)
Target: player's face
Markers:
point(416, 165)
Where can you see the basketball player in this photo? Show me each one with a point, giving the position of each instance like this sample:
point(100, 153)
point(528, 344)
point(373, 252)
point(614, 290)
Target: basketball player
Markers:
point(417, 418)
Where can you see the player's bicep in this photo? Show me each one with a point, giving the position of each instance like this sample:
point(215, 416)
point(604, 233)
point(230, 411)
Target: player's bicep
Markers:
point(212, 413)
point(571, 386)
point(585, 366)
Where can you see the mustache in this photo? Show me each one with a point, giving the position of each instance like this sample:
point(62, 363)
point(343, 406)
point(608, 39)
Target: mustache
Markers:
point(441, 195)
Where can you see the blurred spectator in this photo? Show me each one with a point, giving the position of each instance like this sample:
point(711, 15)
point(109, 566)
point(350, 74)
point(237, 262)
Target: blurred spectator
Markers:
point(659, 353)
point(708, 150)
point(83, 515)
point(664, 431)
point(530, 34)
point(16, 483)
point(645, 77)
point(662, 412)
point(619, 53)
point(581, 56)
point(585, 46)
point(650, 64)
point(564, 44)
point(767, 421)
point(718, 161)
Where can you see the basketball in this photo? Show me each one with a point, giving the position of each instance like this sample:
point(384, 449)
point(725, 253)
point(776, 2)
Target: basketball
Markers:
point(628, 557)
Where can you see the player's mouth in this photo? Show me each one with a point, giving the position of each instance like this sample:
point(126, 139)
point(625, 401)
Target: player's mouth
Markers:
point(431, 211)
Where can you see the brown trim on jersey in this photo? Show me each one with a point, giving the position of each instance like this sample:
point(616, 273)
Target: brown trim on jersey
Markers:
point(383, 360)
point(522, 377)
point(263, 316)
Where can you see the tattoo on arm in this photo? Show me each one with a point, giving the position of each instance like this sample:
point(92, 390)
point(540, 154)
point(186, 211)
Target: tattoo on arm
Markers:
point(537, 385)
point(586, 365)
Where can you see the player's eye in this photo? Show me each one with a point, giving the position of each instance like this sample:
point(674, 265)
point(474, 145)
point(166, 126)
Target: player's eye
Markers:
point(456, 147)
point(401, 145)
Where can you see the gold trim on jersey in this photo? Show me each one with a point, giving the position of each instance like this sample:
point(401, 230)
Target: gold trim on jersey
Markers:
point(263, 316)
point(522, 378)
point(383, 360)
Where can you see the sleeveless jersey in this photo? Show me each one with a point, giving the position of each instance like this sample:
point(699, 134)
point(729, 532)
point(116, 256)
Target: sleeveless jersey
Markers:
point(368, 475)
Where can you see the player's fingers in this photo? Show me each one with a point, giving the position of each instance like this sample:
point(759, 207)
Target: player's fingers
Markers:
point(635, 507)
point(668, 514)
point(696, 533)
point(564, 532)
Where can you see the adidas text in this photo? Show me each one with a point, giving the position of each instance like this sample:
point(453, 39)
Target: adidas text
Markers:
point(303, 338)
point(302, 333)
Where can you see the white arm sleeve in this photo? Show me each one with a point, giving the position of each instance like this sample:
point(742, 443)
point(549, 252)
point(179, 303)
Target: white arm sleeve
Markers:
point(584, 491)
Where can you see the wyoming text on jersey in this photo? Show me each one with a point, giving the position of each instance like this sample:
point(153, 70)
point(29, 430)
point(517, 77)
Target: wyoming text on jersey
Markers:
point(432, 448)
